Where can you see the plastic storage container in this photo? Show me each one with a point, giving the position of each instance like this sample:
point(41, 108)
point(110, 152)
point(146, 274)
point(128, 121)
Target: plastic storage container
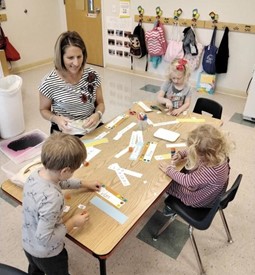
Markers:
point(11, 107)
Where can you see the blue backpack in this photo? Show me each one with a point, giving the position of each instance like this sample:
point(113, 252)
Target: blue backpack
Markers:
point(209, 58)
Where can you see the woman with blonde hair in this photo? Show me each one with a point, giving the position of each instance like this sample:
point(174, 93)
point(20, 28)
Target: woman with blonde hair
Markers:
point(207, 168)
point(71, 94)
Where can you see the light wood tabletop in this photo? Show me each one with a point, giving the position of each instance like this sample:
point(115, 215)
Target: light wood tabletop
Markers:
point(102, 233)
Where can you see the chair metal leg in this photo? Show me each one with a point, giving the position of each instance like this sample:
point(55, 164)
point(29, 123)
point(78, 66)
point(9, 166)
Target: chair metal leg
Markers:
point(230, 240)
point(164, 227)
point(194, 245)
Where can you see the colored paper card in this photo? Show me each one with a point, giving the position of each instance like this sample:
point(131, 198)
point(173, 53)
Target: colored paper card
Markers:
point(92, 152)
point(120, 173)
point(122, 152)
point(109, 210)
point(102, 135)
point(115, 167)
point(144, 107)
point(119, 119)
point(112, 196)
point(93, 142)
point(162, 157)
point(150, 151)
point(165, 123)
point(120, 133)
point(175, 145)
point(136, 151)
point(133, 139)
point(191, 119)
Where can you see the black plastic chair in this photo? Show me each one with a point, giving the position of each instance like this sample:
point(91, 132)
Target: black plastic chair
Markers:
point(10, 270)
point(200, 218)
point(209, 106)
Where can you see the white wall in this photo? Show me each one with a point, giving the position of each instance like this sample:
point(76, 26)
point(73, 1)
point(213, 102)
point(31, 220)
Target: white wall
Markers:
point(241, 45)
point(34, 33)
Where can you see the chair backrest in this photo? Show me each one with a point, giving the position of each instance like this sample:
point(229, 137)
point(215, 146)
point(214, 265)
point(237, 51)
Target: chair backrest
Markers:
point(230, 194)
point(209, 106)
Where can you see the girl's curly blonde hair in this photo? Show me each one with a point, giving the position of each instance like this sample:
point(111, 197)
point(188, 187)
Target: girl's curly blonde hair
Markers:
point(208, 145)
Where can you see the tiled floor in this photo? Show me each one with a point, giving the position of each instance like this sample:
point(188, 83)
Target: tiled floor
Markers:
point(134, 256)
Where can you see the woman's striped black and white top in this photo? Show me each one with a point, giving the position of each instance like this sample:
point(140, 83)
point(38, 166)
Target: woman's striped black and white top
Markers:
point(73, 101)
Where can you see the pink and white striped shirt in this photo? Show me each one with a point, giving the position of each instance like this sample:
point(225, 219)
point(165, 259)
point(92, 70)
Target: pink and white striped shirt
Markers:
point(199, 187)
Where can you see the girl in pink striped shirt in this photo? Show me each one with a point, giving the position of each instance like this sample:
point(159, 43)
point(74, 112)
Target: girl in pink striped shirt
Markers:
point(206, 173)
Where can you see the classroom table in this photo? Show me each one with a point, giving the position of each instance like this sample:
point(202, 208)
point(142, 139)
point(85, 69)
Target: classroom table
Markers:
point(102, 233)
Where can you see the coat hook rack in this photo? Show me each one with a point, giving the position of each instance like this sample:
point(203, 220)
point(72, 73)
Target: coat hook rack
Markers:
point(204, 24)
point(214, 16)
point(159, 13)
point(195, 16)
point(177, 14)
point(141, 12)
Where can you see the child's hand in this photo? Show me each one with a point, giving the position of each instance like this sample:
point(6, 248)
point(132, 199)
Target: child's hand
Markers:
point(169, 105)
point(92, 185)
point(176, 112)
point(77, 220)
point(80, 219)
point(176, 157)
point(163, 165)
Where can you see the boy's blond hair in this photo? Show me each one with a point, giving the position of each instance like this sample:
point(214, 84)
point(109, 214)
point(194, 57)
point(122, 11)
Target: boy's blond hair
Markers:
point(209, 145)
point(63, 150)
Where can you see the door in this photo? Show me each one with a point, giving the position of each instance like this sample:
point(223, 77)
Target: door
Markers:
point(84, 16)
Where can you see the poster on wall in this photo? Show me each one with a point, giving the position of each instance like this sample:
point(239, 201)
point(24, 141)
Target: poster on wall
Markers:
point(124, 8)
point(118, 31)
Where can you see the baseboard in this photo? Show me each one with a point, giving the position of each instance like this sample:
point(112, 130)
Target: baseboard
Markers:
point(31, 66)
point(219, 90)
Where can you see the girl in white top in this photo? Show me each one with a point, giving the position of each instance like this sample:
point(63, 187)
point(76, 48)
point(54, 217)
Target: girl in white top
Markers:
point(175, 92)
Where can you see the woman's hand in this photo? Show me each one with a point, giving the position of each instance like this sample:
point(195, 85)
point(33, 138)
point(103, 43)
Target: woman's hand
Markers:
point(91, 121)
point(62, 122)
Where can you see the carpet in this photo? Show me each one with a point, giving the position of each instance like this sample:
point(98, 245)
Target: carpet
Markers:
point(171, 241)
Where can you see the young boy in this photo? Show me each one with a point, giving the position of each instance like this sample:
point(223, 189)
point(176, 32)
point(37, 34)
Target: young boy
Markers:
point(43, 230)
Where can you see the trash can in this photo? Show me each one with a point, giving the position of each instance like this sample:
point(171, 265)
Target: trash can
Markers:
point(11, 107)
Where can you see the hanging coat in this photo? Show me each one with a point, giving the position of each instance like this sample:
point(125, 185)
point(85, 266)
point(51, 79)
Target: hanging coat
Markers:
point(223, 54)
